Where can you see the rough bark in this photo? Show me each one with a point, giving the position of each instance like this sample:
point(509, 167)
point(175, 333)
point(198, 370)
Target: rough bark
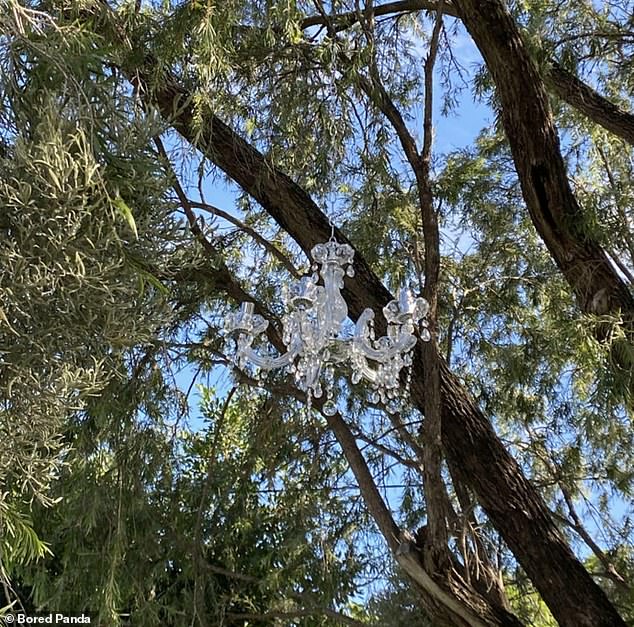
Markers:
point(540, 167)
point(436, 552)
point(509, 499)
point(564, 84)
point(590, 102)
point(518, 513)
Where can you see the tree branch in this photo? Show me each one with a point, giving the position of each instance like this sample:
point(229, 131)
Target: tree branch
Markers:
point(436, 551)
point(578, 526)
point(342, 21)
point(276, 252)
point(210, 249)
point(591, 103)
point(534, 143)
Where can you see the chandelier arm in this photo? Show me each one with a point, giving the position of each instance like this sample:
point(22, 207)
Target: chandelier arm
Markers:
point(270, 363)
point(403, 345)
point(368, 373)
point(363, 321)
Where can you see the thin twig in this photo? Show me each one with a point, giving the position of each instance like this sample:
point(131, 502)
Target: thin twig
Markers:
point(182, 197)
point(250, 231)
point(577, 525)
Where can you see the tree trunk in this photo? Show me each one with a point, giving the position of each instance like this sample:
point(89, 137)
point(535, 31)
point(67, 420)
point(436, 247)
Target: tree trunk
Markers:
point(515, 508)
point(540, 167)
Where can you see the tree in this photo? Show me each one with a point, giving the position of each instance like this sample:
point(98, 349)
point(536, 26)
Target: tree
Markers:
point(300, 105)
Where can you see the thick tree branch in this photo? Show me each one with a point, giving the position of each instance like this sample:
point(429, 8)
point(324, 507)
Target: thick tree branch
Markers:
point(342, 21)
point(591, 103)
point(564, 84)
point(510, 501)
point(540, 167)
point(437, 550)
point(554, 210)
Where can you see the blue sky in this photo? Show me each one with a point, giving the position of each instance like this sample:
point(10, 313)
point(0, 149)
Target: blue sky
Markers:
point(452, 132)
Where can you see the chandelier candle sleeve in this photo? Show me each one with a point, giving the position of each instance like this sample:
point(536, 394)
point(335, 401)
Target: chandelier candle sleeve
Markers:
point(313, 333)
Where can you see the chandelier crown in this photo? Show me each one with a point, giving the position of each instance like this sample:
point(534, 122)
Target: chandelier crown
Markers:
point(333, 252)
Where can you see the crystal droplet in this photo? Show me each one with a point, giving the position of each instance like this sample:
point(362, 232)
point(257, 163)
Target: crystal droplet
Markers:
point(329, 408)
point(393, 406)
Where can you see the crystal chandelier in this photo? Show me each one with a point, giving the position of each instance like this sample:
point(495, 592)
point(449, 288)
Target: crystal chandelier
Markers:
point(316, 337)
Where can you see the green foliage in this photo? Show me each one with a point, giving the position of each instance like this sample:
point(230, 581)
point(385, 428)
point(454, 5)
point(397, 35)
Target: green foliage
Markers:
point(111, 501)
point(206, 525)
point(528, 605)
point(618, 590)
point(70, 302)
point(397, 604)
point(20, 544)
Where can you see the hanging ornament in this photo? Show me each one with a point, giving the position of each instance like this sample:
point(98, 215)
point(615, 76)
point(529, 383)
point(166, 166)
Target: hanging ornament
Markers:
point(313, 333)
